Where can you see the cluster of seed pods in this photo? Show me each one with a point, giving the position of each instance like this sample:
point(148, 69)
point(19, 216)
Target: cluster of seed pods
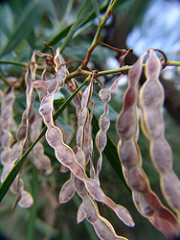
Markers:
point(79, 160)
point(12, 152)
point(88, 208)
point(76, 160)
point(144, 198)
point(151, 101)
point(28, 131)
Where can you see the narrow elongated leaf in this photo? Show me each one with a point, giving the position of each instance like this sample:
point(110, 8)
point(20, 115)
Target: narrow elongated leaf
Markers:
point(61, 34)
point(83, 14)
point(65, 31)
point(6, 23)
point(27, 22)
point(96, 8)
point(13, 173)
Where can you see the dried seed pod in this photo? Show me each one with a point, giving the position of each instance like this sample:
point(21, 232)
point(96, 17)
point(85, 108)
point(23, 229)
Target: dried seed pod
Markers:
point(83, 116)
point(80, 213)
point(145, 200)
point(89, 210)
point(151, 101)
point(103, 228)
point(63, 169)
point(23, 134)
point(84, 140)
point(104, 124)
point(7, 100)
point(26, 200)
point(10, 154)
point(67, 190)
point(88, 142)
point(37, 157)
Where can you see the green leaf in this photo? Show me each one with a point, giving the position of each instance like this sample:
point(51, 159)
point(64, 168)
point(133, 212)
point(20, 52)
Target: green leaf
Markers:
point(61, 34)
point(31, 38)
point(83, 15)
point(6, 23)
point(65, 32)
point(14, 171)
point(96, 9)
point(30, 17)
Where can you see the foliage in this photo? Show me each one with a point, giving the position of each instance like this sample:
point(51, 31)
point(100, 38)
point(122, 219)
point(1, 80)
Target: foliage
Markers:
point(49, 116)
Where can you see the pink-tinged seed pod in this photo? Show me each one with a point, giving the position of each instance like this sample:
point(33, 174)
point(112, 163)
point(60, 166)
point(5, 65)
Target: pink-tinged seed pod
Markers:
point(80, 213)
point(80, 188)
point(162, 155)
point(103, 228)
point(10, 153)
point(137, 179)
point(67, 191)
point(26, 200)
point(145, 200)
point(128, 153)
point(104, 95)
point(104, 123)
point(151, 101)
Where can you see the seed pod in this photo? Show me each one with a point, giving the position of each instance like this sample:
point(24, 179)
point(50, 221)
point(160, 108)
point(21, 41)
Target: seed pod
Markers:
point(89, 210)
point(151, 101)
point(10, 154)
point(145, 200)
point(23, 134)
point(7, 100)
point(26, 200)
point(83, 116)
point(80, 213)
point(37, 156)
point(103, 228)
point(104, 123)
point(67, 191)
point(88, 142)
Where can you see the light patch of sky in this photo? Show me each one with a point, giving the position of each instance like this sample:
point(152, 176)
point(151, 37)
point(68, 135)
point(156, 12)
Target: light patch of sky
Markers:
point(123, 81)
point(159, 29)
point(113, 63)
